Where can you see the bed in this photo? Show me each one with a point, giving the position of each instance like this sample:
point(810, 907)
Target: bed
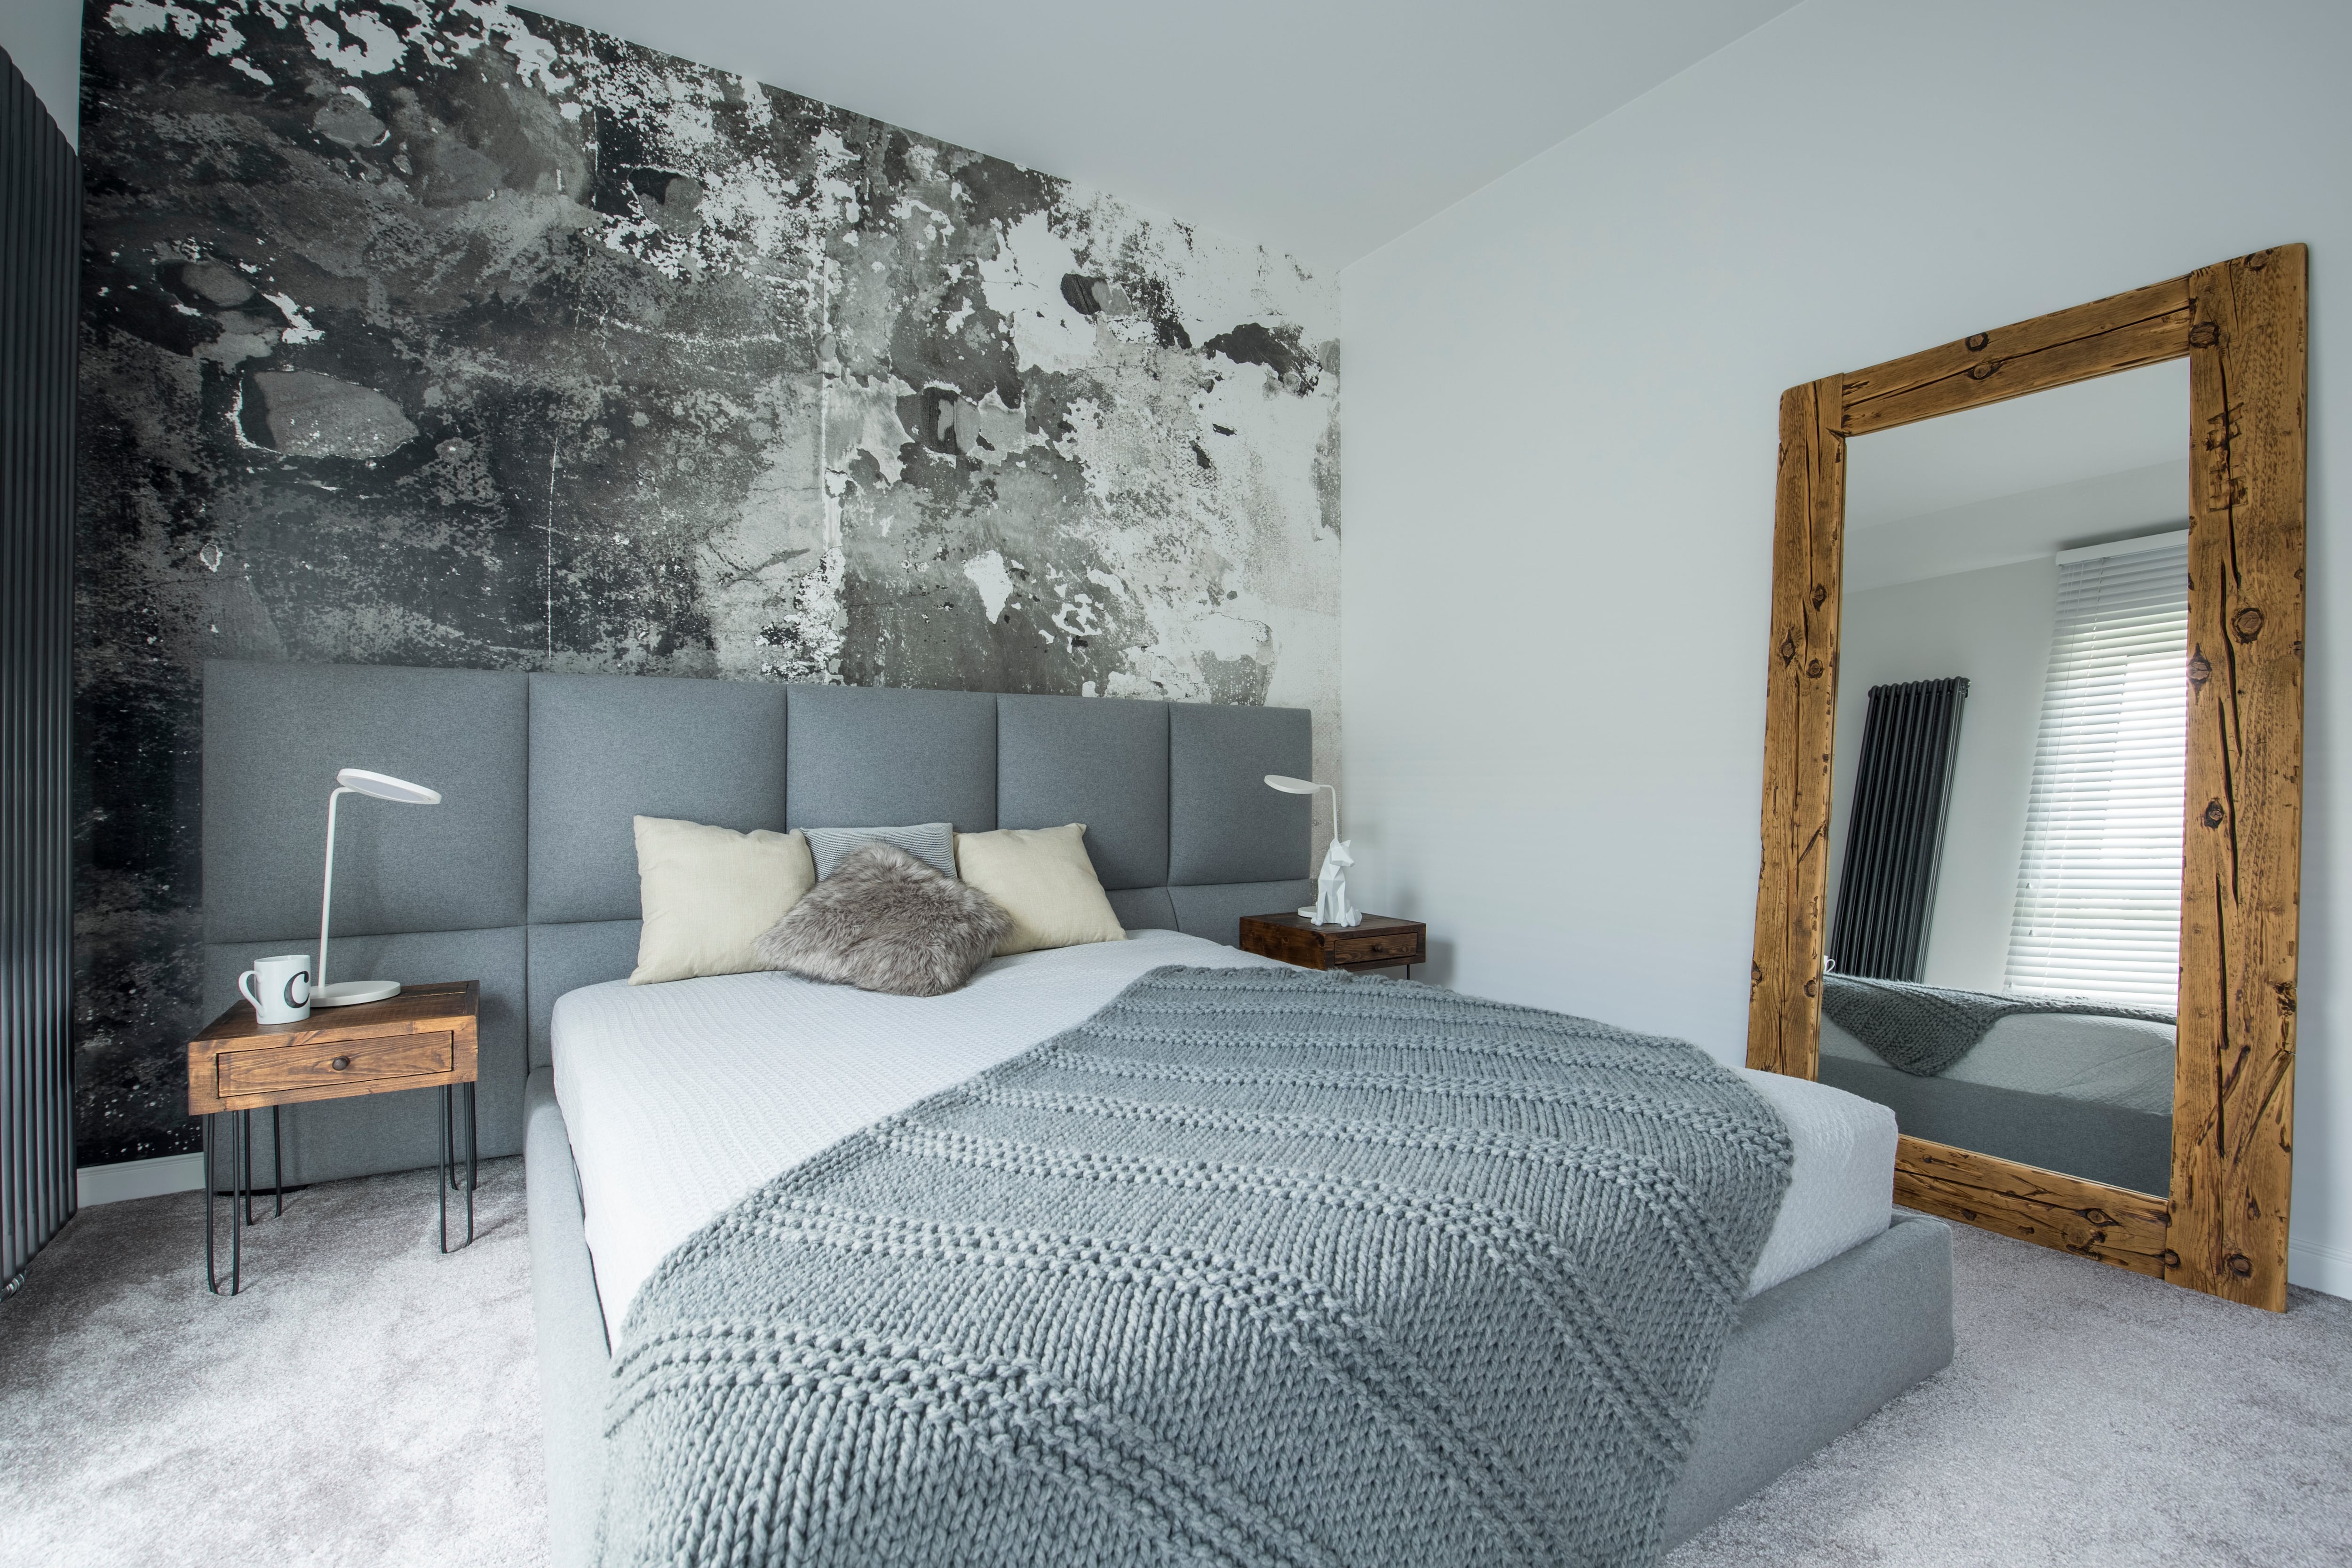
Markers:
point(642, 1112)
point(2078, 1093)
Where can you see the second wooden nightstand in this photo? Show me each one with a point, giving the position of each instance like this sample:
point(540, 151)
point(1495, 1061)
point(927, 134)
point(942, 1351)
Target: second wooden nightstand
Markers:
point(423, 1037)
point(1381, 942)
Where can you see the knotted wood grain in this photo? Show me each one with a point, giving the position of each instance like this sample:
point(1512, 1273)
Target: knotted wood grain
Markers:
point(2091, 1219)
point(2121, 332)
point(2233, 1091)
point(1800, 723)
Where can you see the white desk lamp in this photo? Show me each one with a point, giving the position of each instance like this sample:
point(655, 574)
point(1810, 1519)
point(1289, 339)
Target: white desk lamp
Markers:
point(1330, 906)
point(384, 787)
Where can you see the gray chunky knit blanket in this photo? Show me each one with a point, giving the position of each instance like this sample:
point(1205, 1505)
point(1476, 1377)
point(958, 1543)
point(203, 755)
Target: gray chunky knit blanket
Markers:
point(1923, 1029)
point(1254, 1267)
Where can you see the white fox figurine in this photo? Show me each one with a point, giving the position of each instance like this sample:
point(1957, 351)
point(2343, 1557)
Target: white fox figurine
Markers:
point(1331, 905)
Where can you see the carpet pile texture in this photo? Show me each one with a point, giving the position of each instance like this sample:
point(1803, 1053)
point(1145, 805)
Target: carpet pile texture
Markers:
point(365, 1400)
point(369, 1401)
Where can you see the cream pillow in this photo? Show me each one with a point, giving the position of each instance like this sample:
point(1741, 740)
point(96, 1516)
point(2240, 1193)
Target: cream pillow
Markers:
point(1044, 881)
point(706, 894)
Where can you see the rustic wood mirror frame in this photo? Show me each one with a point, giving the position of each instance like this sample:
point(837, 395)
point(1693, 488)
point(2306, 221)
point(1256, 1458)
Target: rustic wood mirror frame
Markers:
point(2241, 324)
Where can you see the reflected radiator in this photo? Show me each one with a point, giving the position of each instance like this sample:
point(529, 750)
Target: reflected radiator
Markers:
point(41, 243)
point(1895, 828)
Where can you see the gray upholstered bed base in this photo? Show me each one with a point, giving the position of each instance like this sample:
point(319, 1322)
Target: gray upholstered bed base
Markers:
point(2081, 1137)
point(1812, 1358)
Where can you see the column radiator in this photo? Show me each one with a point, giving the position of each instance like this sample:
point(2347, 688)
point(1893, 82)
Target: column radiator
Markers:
point(1895, 828)
point(40, 243)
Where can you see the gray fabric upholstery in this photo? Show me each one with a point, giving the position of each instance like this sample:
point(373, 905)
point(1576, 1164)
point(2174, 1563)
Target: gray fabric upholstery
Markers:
point(1782, 1390)
point(933, 843)
point(863, 754)
point(540, 774)
point(274, 735)
point(1215, 912)
point(606, 748)
point(2056, 1133)
point(566, 958)
point(1103, 763)
point(1224, 823)
point(1143, 909)
point(573, 1355)
point(1811, 1359)
point(330, 1139)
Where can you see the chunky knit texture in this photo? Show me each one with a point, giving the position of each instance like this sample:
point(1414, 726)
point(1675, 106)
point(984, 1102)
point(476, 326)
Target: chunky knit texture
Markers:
point(1253, 1266)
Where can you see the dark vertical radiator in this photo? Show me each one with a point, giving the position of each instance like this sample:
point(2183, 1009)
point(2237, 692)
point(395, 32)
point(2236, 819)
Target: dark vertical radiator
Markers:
point(1895, 828)
point(40, 226)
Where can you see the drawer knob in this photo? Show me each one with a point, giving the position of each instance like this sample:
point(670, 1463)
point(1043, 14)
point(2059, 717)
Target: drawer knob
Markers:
point(340, 1064)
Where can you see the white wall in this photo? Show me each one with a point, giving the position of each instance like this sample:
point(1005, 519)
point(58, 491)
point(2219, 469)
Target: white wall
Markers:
point(1994, 627)
point(1559, 454)
point(44, 38)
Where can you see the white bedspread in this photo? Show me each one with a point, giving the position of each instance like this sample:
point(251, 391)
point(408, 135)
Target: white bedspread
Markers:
point(2073, 1056)
point(682, 1098)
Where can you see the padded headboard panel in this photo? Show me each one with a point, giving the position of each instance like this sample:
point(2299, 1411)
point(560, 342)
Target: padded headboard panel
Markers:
point(526, 875)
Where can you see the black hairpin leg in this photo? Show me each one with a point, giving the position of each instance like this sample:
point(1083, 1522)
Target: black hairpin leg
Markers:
point(236, 1160)
point(277, 1161)
point(212, 1277)
point(441, 1187)
point(448, 1182)
point(245, 1154)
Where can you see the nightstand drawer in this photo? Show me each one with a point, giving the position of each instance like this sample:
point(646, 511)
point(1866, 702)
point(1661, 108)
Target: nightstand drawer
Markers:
point(330, 1066)
point(1386, 947)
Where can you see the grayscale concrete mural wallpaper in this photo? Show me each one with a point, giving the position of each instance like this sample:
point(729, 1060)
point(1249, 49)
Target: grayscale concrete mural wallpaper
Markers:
point(443, 333)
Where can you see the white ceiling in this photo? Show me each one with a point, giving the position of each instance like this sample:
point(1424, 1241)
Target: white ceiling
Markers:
point(2076, 464)
point(2033, 525)
point(2077, 431)
point(1323, 128)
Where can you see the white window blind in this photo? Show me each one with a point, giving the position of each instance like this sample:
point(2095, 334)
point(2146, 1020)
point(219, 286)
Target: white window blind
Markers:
point(2098, 886)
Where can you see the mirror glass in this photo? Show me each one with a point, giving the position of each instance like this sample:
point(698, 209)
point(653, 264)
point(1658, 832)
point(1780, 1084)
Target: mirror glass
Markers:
point(2005, 875)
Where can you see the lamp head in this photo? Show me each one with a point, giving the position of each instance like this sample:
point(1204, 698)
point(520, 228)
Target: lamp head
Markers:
point(384, 786)
point(1289, 785)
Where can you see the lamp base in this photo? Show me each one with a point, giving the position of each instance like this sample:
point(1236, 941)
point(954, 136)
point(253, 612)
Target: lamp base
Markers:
point(351, 993)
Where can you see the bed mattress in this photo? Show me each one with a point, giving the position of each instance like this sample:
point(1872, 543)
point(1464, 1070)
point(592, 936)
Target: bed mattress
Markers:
point(682, 1098)
point(2123, 1063)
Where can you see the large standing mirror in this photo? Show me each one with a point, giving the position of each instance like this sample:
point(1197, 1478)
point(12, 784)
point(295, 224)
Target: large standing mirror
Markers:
point(2032, 787)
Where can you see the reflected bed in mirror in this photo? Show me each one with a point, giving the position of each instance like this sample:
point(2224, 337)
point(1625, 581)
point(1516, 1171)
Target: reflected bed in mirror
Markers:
point(2033, 768)
point(2005, 829)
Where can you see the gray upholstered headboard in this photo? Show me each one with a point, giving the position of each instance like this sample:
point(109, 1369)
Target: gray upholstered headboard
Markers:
point(525, 877)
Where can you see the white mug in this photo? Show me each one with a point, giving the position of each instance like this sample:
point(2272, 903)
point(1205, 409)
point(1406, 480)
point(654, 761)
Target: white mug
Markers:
point(279, 987)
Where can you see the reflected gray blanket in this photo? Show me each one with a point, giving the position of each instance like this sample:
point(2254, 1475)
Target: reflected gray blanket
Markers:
point(1254, 1266)
point(1923, 1029)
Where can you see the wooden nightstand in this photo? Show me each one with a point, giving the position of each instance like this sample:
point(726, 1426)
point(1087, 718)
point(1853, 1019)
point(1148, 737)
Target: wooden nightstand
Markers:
point(423, 1037)
point(1381, 942)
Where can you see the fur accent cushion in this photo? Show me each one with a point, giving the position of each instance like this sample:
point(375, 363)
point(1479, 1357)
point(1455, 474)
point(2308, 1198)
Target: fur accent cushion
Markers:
point(884, 921)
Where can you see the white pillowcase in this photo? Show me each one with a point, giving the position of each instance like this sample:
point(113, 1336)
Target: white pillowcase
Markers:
point(1044, 881)
point(706, 894)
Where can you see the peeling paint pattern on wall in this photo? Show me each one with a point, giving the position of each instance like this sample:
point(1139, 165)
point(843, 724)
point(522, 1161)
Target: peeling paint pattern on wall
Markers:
point(443, 333)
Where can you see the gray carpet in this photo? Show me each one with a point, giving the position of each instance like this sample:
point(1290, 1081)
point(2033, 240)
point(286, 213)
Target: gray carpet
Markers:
point(2089, 1417)
point(368, 1401)
point(365, 1401)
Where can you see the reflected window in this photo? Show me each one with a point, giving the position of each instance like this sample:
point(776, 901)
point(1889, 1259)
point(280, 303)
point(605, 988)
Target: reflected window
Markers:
point(2098, 887)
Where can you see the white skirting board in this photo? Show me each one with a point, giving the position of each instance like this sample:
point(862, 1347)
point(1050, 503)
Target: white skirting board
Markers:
point(2317, 1268)
point(138, 1178)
